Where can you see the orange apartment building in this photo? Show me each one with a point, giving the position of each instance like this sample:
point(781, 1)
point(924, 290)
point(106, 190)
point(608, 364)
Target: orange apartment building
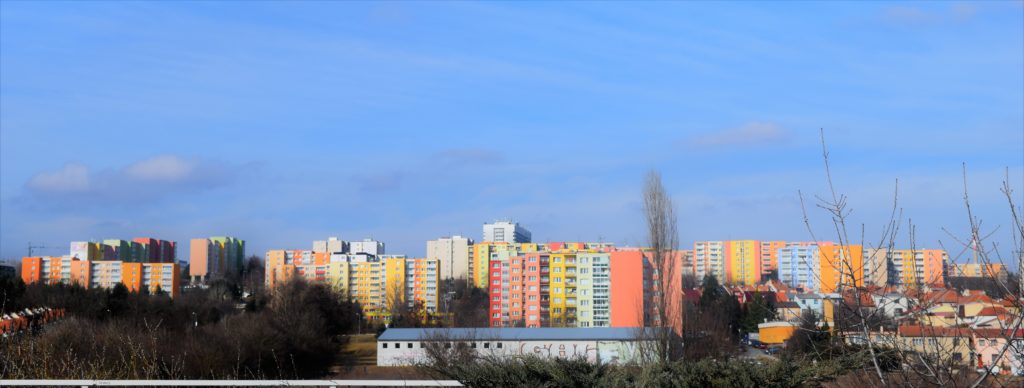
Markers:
point(841, 266)
point(152, 277)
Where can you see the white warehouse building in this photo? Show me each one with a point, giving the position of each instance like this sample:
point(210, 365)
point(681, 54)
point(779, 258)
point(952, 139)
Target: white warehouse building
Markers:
point(396, 347)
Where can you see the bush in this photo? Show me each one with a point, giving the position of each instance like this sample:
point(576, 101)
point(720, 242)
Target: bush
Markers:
point(119, 335)
point(536, 372)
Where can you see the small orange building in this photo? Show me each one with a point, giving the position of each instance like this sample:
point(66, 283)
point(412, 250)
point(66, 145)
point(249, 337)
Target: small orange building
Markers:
point(776, 332)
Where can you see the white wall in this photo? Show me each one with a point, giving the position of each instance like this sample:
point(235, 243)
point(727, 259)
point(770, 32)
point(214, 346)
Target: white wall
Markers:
point(606, 351)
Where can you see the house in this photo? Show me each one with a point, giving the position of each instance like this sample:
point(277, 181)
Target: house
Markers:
point(787, 311)
point(811, 302)
point(946, 344)
point(989, 347)
point(892, 305)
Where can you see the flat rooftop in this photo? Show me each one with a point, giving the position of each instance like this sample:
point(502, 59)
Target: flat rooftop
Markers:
point(515, 334)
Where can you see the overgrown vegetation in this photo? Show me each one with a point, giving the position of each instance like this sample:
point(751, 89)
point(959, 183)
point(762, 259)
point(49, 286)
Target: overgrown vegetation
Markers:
point(113, 334)
point(536, 372)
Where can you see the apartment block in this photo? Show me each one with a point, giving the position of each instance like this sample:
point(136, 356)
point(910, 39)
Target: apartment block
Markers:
point(121, 250)
point(922, 267)
point(769, 255)
point(214, 257)
point(841, 266)
point(594, 289)
point(367, 246)
point(545, 289)
point(507, 282)
point(583, 288)
point(506, 231)
point(453, 253)
point(743, 264)
point(977, 270)
point(151, 277)
point(800, 266)
point(377, 282)
point(483, 253)
point(331, 245)
point(417, 280)
point(878, 267)
point(154, 250)
point(709, 260)
point(563, 294)
point(87, 250)
point(663, 289)
point(55, 270)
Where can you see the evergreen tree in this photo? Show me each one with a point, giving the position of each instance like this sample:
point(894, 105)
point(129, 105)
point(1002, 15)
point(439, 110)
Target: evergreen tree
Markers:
point(711, 291)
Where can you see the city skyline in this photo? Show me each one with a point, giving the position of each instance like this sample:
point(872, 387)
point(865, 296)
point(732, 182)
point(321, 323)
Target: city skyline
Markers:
point(164, 124)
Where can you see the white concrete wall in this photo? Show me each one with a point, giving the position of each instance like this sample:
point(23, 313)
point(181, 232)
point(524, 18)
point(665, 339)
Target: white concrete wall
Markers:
point(605, 351)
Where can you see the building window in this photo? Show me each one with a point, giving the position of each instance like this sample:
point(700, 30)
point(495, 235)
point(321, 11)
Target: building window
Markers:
point(385, 345)
point(499, 345)
point(487, 345)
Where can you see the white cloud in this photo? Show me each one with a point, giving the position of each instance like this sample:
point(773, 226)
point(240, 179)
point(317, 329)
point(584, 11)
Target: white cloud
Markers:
point(906, 15)
point(165, 168)
point(749, 134)
point(72, 178)
point(142, 181)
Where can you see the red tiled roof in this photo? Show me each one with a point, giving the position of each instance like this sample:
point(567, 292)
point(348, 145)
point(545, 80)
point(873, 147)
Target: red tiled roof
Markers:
point(850, 299)
point(781, 297)
point(998, 333)
point(938, 297)
point(975, 298)
point(992, 311)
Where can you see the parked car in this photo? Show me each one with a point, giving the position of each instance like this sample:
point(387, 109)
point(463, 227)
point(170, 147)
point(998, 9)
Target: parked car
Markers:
point(772, 350)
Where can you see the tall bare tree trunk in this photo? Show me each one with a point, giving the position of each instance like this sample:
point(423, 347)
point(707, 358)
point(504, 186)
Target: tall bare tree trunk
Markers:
point(663, 241)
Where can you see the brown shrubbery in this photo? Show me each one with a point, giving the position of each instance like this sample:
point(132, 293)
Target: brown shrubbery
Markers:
point(293, 333)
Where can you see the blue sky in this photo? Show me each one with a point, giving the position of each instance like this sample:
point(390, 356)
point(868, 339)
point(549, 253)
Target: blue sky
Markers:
point(281, 123)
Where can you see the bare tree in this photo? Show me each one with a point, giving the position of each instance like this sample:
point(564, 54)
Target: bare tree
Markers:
point(395, 303)
point(664, 257)
point(931, 348)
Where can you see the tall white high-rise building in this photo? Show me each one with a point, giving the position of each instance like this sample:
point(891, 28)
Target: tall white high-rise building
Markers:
point(330, 245)
point(453, 254)
point(366, 246)
point(506, 231)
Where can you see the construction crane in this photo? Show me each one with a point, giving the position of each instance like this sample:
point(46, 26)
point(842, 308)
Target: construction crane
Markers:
point(32, 248)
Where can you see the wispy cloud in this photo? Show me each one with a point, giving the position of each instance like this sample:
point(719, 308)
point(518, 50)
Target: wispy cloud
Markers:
point(146, 180)
point(164, 168)
point(749, 134)
point(906, 15)
point(912, 15)
point(72, 178)
point(380, 182)
point(463, 156)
